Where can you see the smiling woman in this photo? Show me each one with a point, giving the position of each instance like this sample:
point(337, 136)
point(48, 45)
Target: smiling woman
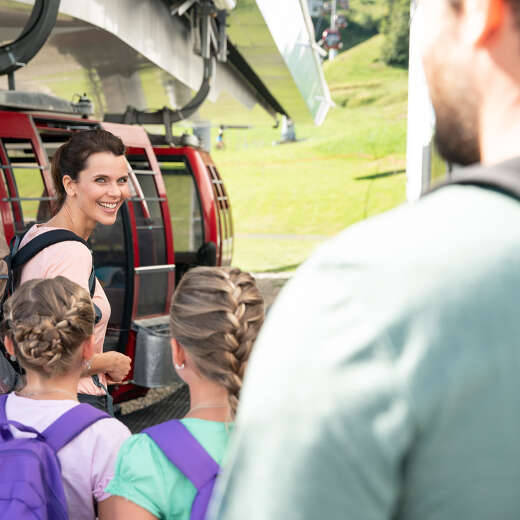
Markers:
point(90, 175)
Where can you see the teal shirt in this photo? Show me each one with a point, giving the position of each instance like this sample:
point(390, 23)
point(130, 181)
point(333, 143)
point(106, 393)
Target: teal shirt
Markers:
point(386, 381)
point(145, 476)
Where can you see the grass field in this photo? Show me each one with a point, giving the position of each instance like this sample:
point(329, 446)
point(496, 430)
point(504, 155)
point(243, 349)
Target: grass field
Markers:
point(289, 198)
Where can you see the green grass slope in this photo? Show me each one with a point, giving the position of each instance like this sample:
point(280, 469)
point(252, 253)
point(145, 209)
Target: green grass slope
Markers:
point(286, 199)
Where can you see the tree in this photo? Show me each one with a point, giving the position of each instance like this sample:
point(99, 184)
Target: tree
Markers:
point(396, 29)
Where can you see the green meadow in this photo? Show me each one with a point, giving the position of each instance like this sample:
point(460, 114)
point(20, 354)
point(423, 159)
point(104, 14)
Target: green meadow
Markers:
point(289, 198)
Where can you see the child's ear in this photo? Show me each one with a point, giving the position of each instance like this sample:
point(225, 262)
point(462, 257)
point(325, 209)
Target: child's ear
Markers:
point(88, 347)
point(178, 354)
point(9, 345)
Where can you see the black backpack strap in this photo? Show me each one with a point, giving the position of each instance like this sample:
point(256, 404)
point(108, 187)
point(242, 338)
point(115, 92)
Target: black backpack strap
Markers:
point(504, 177)
point(21, 256)
point(92, 282)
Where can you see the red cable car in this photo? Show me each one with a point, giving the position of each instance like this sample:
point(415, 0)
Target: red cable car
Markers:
point(177, 194)
point(331, 39)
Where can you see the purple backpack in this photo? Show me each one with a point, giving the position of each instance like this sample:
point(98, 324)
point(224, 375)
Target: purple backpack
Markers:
point(187, 454)
point(30, 478)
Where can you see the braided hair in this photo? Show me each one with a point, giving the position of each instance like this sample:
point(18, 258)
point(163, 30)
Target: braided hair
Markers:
point(216, 315)
point(47, 320)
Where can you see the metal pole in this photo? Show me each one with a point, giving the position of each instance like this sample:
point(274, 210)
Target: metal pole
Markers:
point(421, 119)
point(333, 52)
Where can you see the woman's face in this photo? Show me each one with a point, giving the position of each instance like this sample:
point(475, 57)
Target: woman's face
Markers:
point(101, 188)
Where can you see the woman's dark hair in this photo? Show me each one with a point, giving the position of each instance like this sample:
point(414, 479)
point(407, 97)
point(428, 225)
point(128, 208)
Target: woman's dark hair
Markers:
point(71, 158)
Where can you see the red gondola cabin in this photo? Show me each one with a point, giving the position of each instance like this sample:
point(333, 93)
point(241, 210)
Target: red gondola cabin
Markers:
point(178, 216)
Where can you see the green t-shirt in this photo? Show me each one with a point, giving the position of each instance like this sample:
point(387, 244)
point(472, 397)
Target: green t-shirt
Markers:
point(146, 477)
point(385, 383)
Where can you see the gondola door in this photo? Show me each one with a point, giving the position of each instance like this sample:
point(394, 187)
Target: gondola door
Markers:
point(25, 183)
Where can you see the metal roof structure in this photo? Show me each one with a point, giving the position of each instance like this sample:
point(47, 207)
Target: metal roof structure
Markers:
point(135, 52)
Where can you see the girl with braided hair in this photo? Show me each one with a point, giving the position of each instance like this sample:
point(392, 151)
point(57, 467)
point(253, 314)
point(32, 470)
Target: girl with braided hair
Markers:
point(49, 328)
point(215, 317)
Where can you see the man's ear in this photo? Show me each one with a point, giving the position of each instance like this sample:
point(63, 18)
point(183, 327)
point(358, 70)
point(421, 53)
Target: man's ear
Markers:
point(89, 347)
point(8, 342)
point(483, 19)
point(178, 353)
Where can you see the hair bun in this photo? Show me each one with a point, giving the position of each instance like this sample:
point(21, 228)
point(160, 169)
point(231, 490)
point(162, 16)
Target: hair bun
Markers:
point(48, 321)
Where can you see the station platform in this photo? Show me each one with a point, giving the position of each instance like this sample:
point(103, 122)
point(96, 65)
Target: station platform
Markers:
point(173, 406)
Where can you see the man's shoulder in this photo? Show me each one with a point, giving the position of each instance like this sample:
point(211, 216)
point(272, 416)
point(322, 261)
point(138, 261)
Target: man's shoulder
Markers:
point(454, 222)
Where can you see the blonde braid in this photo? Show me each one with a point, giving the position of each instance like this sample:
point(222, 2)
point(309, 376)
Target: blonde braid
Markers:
point(246, 325)
point(216, 315)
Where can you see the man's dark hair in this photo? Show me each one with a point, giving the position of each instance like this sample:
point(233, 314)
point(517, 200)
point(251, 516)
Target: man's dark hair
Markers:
point(515, 8)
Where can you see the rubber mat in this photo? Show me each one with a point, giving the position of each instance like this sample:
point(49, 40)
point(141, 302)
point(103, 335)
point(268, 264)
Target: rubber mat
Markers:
point(173, 406)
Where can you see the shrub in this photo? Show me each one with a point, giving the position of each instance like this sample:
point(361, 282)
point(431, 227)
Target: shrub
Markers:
point(396, 29)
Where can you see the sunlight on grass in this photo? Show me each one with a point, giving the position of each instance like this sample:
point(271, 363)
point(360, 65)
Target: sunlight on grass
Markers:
point(350, 168)
point(260, 254)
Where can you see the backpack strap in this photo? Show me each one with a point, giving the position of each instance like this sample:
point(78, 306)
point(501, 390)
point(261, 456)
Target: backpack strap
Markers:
point(71, 424)
point(504, 177)
point(5, 433)
point(185, 452)
point(20, 257)
point(3, 402)
point(40, 242)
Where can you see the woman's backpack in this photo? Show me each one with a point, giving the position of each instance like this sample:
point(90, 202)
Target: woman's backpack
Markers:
point(31, 487)
point(190, 457)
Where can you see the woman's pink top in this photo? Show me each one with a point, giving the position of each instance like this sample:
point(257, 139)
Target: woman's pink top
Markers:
point(71, 260)
point(87, 462)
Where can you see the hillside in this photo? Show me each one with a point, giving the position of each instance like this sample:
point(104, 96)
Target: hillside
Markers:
point(364, 19)
point(287, 199)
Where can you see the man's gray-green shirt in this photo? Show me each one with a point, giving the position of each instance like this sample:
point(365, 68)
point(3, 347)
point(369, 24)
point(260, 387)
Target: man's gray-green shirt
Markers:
point(386, 382)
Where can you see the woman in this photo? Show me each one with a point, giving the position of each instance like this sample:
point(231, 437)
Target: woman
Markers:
point(215, 317)
point(49, 331)
point(90, 174)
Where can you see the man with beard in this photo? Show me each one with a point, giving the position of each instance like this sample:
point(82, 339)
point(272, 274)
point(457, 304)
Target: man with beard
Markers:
point(385, 384)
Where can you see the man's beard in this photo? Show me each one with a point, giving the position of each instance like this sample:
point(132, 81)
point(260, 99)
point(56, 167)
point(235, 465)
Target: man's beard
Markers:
point(456, 111)
point(456, 136)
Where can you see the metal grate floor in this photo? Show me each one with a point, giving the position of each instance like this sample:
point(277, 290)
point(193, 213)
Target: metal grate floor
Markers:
point(173, 406)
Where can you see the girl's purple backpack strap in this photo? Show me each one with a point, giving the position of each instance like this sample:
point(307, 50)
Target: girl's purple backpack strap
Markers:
point(63, 429)
point(185, 452)
point(3, 402)
point(71, 424)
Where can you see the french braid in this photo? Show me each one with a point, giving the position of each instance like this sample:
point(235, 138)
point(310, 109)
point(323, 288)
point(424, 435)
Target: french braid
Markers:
point(216, 315)
point(47, 320)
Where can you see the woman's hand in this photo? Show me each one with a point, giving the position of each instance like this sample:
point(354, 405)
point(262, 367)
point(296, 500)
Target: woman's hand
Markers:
point(117, 365)
point(114, 364)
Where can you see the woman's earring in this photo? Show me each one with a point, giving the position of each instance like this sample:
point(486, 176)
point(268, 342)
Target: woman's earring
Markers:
point(13, 357)
point(179, 367)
